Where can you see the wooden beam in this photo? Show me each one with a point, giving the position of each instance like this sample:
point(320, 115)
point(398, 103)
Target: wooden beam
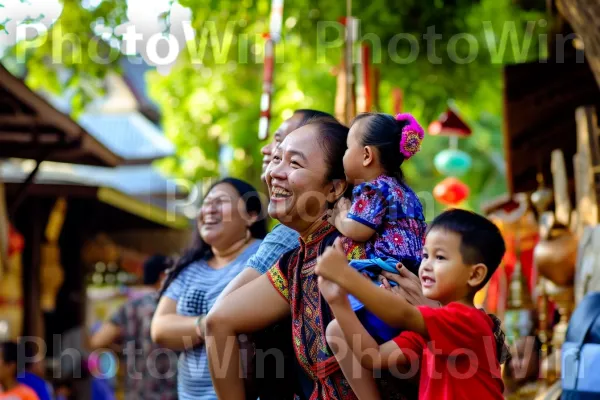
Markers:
point(49, 115)
point(9, 101)
point(26, 122)
point(12, 136)
point(55, 190)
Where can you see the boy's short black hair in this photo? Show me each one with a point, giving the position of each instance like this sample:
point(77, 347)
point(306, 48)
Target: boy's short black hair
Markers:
point(481, 240)
point(9, 352)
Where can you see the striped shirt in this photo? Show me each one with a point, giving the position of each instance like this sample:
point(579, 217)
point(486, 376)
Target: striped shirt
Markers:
point(277, 242)
point(195, 290)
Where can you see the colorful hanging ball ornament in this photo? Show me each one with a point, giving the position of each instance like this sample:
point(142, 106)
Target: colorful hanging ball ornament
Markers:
point(451, 191)
point(452, 162)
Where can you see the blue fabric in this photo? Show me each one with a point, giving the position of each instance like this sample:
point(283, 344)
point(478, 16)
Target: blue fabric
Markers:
point(101, 390)
point(277, 242)
point(372, 268)
point(395, 212)
point(581, 351)
point(37, 384)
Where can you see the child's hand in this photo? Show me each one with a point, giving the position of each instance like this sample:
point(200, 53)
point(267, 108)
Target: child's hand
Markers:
point(408, 285)
point(339, 212)
point(332, 292)
point(333, 263)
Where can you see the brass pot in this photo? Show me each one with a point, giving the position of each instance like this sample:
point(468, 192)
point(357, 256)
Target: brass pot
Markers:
point(555, 256)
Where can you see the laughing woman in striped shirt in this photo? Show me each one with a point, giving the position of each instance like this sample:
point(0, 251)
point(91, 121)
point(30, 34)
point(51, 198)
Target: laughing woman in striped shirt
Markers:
point(231, 225)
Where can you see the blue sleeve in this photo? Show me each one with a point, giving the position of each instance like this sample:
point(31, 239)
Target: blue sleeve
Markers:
point(369, 204)
point(41, 388)
point(175, 289)
point(278, 242)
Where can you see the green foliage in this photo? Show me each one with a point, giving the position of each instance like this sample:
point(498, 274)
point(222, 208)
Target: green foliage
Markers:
point(211, 99)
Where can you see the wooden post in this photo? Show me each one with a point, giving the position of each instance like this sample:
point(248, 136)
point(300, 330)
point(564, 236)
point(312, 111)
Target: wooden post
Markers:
point(3, 229)
point(587, 162)
point(32, 224)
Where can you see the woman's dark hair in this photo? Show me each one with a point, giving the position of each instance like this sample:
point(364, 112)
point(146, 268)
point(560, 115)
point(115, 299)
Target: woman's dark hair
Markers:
point(313, 115)
point(383, 132)
point(201, 250)
point(333, 137)
point(333, 141)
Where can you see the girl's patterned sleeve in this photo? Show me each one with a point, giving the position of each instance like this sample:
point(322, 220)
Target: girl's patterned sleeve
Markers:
point(278, 277)
point(369, 204)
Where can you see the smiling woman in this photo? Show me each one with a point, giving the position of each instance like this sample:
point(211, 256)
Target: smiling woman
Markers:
point(305, 177)
point(230, 227)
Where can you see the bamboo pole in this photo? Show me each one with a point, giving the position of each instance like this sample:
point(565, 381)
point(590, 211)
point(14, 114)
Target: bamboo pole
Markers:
point(273, 38)
point(349, 65)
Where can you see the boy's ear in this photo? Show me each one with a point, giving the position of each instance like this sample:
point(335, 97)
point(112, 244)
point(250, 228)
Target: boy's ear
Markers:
point(478, 274)
point(368, 155)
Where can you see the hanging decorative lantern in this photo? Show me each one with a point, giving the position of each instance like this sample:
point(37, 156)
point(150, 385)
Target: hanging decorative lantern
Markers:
point(452, 162)
point(450, 124)
point(451, 191)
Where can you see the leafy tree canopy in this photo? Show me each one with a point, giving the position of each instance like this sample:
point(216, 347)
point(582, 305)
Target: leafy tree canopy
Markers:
point(211, 96)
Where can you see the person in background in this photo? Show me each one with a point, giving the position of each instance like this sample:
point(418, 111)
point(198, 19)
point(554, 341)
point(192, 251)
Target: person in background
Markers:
point(129, 326)
point(33, 375)
point(11, 389)
point(231, 226)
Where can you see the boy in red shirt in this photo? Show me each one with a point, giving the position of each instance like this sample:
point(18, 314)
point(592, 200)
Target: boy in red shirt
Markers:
point(460, 347)
point(10, 388)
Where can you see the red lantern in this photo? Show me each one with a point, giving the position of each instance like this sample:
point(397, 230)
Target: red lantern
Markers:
point(450, 191)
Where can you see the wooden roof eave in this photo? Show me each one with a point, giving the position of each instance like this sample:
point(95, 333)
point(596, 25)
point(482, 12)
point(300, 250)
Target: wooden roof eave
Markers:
point(48, 115)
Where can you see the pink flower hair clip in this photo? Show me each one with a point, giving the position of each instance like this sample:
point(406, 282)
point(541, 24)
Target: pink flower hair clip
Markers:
point(411, 137)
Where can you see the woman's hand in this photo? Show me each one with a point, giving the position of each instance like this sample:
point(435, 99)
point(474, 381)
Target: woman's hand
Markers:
point(332, 292)
point(408, 286)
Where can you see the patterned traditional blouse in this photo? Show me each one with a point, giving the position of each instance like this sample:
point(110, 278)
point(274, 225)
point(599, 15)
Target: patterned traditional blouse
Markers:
point(152, 376)
point(395, 212)
point(293, 277)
